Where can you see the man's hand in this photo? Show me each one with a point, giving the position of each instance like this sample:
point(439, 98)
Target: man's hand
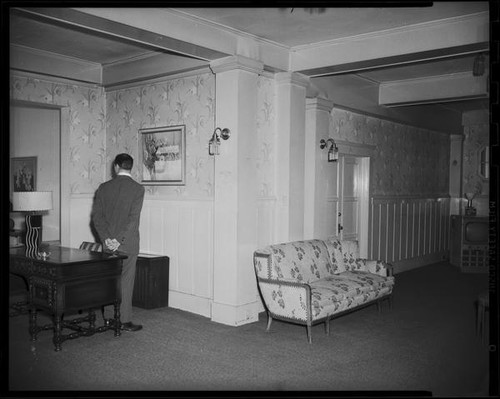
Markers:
point(112, 244)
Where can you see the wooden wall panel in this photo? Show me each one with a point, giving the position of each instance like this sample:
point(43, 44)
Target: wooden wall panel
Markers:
point(405, 229)
point(182, 230)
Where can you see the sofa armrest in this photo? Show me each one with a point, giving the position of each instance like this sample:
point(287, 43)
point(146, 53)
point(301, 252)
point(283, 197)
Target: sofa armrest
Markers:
point(286, 298)
point(379, 267)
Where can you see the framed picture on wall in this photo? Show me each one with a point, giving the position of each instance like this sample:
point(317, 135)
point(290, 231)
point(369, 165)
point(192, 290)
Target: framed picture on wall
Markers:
point(162, 155)
point(23, 172)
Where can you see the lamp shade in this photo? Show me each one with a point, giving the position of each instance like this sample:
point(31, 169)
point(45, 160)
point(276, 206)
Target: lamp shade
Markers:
point(32, 201)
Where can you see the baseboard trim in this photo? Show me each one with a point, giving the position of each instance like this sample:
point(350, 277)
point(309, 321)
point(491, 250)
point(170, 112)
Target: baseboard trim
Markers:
point(189, 303)
point(235, 315)
point(409, 264)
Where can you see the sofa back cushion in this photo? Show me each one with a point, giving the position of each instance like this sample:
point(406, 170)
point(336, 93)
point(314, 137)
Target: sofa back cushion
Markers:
point(350, 255)
point(302, 261)
point(334, 247)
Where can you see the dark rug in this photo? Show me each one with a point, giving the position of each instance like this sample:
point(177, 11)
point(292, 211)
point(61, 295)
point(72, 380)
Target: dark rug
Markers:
point(427, 341)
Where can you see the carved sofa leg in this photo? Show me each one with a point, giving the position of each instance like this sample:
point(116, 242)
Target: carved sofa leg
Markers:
point(269, 321)
point(309, 335)
point(327, 326)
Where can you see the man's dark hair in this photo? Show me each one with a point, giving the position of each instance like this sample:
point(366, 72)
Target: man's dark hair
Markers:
point(124, 161)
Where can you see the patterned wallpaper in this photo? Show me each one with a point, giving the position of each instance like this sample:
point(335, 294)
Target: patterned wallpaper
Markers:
point(266, 136)
point(476, 136)
point(405, 161)
point(87, 125)
point(408, 161)
point(188, 101)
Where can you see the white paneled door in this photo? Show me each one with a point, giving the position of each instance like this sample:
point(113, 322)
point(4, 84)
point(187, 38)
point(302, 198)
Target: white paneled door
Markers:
point(347, 198)
point(348, 214)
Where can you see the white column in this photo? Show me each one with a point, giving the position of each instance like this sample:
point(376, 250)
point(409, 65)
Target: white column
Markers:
point(317, 125)
point(290, 153)
point(235, 206)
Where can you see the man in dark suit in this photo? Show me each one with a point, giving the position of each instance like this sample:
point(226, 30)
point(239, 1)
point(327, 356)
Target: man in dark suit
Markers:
point(115, 214)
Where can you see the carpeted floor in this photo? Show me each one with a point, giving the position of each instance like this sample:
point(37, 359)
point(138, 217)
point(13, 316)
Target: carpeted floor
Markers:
point(427, 342)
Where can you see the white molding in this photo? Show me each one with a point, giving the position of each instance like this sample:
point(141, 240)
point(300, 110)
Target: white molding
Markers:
point(55, 56)
point(158, 79)
point(355, 149)
point(189, 303)
point(431, 89)
point(55, 65)
point(236, 315)
point(319, 103)
point(294, 78)
point(236, 62)
point(52, 79)
point(397, 198)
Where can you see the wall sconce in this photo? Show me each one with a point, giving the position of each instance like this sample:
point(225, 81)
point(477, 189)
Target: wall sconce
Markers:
point(333, 151)
point(478, 66)
point(214, 142)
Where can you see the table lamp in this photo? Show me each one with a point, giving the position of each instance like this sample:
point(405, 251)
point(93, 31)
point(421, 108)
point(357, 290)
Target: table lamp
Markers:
point(33, 203)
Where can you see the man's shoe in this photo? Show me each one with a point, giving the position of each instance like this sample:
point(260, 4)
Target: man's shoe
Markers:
point(131, 326)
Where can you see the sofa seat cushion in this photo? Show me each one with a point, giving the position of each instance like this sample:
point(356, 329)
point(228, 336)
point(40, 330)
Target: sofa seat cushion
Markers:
point(365, 281)
point(333, 294)
point(323, 308)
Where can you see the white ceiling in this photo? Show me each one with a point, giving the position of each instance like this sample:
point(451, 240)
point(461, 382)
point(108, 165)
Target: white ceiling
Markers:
point(286, 27)
point(300, 26)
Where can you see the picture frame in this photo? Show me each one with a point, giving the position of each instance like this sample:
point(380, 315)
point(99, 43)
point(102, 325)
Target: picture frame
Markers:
point(23, 173)
point(162, 155)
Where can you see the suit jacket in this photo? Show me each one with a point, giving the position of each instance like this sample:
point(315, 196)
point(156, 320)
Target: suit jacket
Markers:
point(117, 210)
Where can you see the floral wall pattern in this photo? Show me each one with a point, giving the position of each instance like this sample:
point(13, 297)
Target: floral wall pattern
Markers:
point(87, 125)
point(266, 136)
point(186, 101)
point(476, 136)
point(408, 161)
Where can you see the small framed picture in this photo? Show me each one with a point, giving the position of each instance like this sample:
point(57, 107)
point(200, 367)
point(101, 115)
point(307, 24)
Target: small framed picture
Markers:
point(162, 155)
point(23, 172)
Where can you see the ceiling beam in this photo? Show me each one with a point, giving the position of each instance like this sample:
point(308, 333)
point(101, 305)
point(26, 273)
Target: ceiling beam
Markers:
point(425, 41)
point(433, 89)
point(96, 20)
point(50, 64)
point(172, 30)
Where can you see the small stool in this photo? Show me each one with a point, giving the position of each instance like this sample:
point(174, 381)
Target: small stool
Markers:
point(482, 306)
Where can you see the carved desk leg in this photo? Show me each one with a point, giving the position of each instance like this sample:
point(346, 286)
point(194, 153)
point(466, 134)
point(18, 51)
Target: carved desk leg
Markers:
point(33, 328)
point(92, 318)
point(117, 323)
point(57, 339)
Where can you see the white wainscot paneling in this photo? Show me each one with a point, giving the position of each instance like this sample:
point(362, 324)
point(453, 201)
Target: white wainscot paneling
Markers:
point(183, 231)
point(79, 216)
point(409, 232)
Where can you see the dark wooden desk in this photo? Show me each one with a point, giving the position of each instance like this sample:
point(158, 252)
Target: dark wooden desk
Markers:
point(68, 281)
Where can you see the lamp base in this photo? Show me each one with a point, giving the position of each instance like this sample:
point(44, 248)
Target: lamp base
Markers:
point(33, 234)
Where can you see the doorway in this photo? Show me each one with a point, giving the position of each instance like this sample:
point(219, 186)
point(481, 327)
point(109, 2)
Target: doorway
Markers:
point(348, 199)
point(35, 132)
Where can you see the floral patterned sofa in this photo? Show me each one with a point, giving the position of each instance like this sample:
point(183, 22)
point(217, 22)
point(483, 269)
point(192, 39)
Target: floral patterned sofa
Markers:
point(309, 282)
